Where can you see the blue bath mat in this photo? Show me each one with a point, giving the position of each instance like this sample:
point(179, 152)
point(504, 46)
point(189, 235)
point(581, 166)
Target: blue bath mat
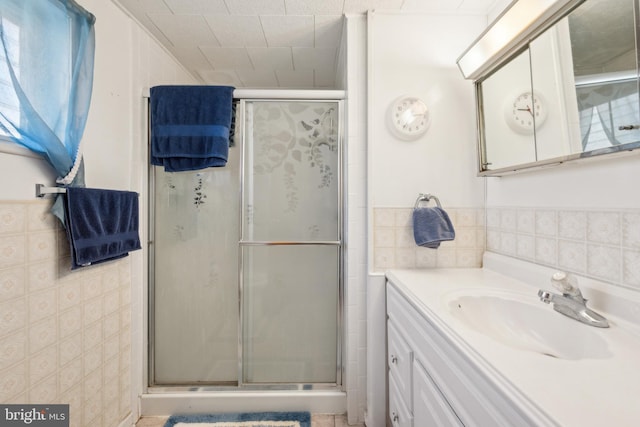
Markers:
point(243, 419)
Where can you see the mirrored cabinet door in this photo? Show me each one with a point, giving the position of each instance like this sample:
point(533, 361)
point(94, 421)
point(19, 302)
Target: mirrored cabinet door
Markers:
point(508, 115)
point(569, 92)
point(558, 129)
point(604, 58)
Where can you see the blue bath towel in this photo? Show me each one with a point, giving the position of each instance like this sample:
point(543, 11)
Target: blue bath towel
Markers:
point(102, 225)
point(432, 226)
point(190, 126)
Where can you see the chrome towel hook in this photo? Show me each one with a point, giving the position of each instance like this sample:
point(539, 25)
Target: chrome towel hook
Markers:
point(426, 197)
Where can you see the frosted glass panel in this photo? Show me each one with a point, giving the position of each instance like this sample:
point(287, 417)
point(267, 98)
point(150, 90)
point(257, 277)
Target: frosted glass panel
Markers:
point(289, 292)
point(196, 274)
point(290, 313)
point(291, 171)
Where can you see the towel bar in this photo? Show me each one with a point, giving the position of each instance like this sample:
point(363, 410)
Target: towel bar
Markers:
point(42, 190)
point(425, 197)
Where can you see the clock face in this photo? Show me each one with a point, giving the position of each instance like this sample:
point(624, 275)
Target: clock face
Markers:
point(525, 112)
point(408, 117)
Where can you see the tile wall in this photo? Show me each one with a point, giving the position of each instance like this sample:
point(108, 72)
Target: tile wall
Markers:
point(603, 244)
point(64, 336)
point(394, 245)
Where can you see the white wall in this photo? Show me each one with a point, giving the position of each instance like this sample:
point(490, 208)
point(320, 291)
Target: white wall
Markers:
point(605, 183)
point(416, 55)
point(352, 67)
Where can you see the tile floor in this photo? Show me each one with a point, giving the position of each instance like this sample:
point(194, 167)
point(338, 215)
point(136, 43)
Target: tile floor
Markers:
point(317, 420)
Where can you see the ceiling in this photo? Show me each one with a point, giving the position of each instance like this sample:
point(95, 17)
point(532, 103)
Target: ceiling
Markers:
point(267, 43)
point(603, 37)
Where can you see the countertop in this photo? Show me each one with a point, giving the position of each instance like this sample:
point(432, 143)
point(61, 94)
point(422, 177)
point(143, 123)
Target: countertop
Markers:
point(600, 389)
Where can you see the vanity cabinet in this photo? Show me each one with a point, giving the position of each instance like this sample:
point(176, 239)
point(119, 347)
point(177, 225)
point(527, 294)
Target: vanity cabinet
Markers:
point(430, 406)
point(400, 359)
point(431, 381)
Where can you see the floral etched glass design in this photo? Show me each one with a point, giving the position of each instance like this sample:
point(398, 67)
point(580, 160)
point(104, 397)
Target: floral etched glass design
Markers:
point(280, 185)
point(291, 242)
point(196, 232)
point(291, 171)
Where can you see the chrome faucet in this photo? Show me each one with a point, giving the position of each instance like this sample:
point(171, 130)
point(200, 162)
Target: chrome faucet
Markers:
point(571, 303)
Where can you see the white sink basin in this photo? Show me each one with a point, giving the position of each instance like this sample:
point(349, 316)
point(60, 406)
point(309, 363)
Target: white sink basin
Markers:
point(525, 323)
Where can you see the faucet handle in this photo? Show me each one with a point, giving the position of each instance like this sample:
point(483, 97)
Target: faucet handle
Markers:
point(565, 283)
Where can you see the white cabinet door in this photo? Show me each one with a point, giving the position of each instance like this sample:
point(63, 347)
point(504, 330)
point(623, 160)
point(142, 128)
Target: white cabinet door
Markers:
point(430, 409)
point(400, 357)
point(399, 414)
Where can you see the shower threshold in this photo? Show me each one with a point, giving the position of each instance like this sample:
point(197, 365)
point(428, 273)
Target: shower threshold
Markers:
point(161, 401)
point(233, 386)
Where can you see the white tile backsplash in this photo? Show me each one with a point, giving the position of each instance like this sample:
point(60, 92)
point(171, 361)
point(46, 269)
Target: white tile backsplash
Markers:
point(526, 246)
point(631, 230)
point(603, 227)
point(604, 262)
point(64, 336)
point(572, 225)
point(546, 223)
point(602, 244)
point(508, 219)
point(526, 221)
point(631, 268)
point(395, 247)
point(572, 255)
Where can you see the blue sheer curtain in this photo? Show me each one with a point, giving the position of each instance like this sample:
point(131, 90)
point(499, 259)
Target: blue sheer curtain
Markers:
point(46, 79)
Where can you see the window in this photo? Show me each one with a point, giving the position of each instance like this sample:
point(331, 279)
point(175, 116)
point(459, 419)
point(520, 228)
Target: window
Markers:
point(46, 78)
point(8, 98)
point(603, 109)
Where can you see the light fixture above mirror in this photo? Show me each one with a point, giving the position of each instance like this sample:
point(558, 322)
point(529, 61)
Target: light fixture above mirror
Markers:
point(512, 29)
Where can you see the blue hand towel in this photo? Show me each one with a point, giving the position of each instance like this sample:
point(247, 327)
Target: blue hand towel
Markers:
point(190, 126)
point(102, 225)
point(432, 226)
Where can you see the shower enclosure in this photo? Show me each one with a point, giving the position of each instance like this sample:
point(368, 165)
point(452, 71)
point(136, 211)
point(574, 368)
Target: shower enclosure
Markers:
point(246, 260)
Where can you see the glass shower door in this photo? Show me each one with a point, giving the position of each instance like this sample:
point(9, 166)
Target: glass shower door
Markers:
point(291, 242)
point(195, 275)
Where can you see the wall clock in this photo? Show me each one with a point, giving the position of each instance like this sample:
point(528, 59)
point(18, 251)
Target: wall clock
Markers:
point(524, 111)
point(408, 117)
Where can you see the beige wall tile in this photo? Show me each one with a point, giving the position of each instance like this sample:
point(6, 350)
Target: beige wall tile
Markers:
point(13, 348)
point(12, 218)
point(12, 283)
point(394, 244)
point(42, 246)
point(40, 218)
point(12, 251)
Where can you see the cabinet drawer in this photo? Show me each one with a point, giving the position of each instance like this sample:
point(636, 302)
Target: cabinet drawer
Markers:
point(398, 411)
point(399, 356)
point(430, 407)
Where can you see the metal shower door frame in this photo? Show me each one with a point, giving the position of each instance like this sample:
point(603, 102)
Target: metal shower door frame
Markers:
point(152, 386)
point(338, 243)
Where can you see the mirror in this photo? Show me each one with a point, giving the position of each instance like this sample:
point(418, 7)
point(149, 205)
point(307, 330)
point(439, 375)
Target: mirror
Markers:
point(570, 92)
